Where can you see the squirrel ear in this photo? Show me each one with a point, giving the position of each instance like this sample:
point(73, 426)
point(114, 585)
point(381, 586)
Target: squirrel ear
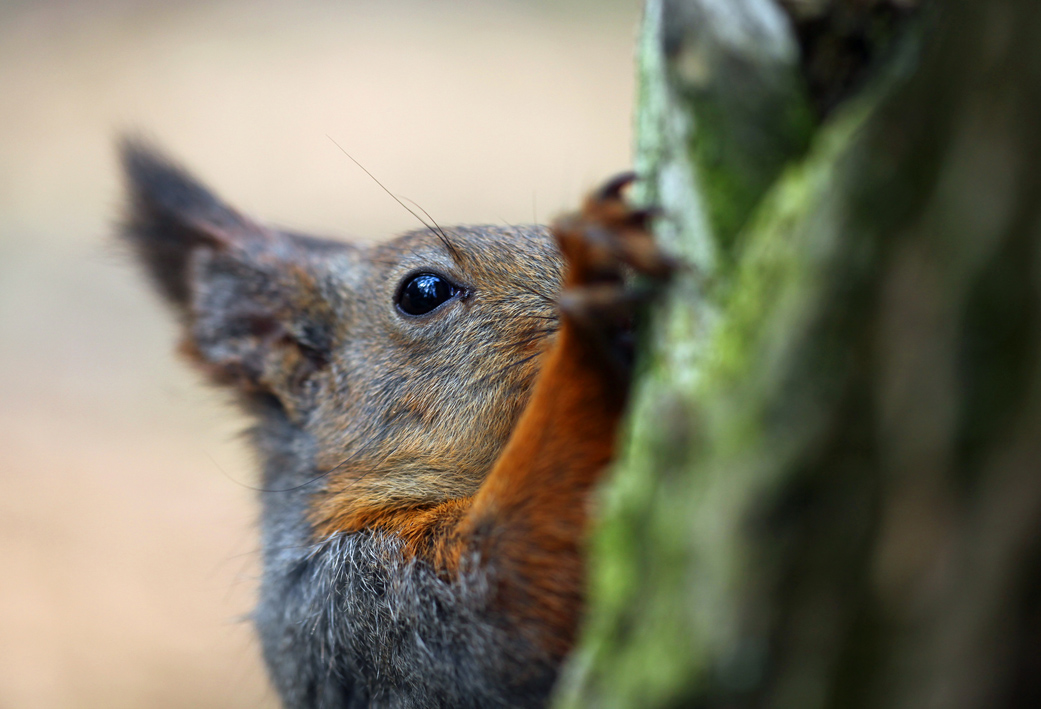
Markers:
point(171, 214)
point(252, 300)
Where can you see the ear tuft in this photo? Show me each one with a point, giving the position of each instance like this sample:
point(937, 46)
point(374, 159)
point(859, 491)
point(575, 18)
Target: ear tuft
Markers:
point(254, 312)
point(168, 214)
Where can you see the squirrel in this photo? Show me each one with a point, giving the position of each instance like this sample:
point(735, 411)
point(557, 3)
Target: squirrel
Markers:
point(431, 414)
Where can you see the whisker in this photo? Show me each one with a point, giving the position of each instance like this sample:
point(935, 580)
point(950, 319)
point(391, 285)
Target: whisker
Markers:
point(508, 313)
point(526, 341)
point(438, 232)
point(316, 478)
point(541, 296)
point(528, 338)
point(511, 365)
point(255, 488)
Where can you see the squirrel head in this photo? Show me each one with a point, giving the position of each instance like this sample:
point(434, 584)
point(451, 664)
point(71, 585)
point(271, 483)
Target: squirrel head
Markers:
point(404, 363)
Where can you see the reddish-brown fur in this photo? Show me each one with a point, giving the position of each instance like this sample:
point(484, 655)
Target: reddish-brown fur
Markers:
point(530, 516)
point(426, 471)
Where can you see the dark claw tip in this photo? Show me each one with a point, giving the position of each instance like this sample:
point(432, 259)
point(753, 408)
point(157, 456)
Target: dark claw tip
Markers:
point(643, 217)
point(612, 189)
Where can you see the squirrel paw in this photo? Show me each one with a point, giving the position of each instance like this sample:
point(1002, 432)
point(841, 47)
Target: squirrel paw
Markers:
point(613, 266)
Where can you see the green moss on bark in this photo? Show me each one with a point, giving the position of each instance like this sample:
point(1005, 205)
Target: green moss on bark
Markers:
point(829, 493)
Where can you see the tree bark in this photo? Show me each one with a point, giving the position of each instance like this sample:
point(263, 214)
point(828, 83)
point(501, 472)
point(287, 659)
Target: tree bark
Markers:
point(830, 494)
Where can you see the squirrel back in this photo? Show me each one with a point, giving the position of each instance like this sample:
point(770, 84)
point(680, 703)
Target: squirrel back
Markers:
point(429, 426)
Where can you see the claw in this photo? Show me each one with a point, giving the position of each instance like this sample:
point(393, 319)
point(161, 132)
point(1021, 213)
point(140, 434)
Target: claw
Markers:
point(612, 189)
point(642, 218)
point(605, 246)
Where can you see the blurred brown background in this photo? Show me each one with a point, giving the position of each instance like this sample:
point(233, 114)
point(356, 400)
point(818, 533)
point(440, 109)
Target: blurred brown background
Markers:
point(127, 540)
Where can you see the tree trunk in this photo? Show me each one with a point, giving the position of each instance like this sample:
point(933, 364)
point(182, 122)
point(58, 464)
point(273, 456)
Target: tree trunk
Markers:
point(830, 494)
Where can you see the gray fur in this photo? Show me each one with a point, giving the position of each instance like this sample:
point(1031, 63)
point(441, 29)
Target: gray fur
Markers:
point(345, 622)
point(407, 411)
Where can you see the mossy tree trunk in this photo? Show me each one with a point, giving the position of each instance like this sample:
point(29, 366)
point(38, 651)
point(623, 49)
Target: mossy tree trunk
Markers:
point(831, 491)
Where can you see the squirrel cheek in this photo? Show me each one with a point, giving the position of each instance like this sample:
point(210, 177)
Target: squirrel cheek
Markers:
point(290, 371)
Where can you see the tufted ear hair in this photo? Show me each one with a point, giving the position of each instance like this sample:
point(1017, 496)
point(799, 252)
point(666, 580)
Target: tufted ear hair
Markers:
point(256, 305)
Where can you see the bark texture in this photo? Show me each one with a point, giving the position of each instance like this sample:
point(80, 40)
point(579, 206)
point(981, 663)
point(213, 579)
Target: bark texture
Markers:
point(831, 491)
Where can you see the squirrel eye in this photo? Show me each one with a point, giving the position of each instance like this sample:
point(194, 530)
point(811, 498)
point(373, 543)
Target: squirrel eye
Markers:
point(423, 292)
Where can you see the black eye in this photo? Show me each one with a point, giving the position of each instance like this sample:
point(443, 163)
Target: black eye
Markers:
point(423, 292)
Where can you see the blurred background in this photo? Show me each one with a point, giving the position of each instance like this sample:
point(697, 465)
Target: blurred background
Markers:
point(128, 552)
